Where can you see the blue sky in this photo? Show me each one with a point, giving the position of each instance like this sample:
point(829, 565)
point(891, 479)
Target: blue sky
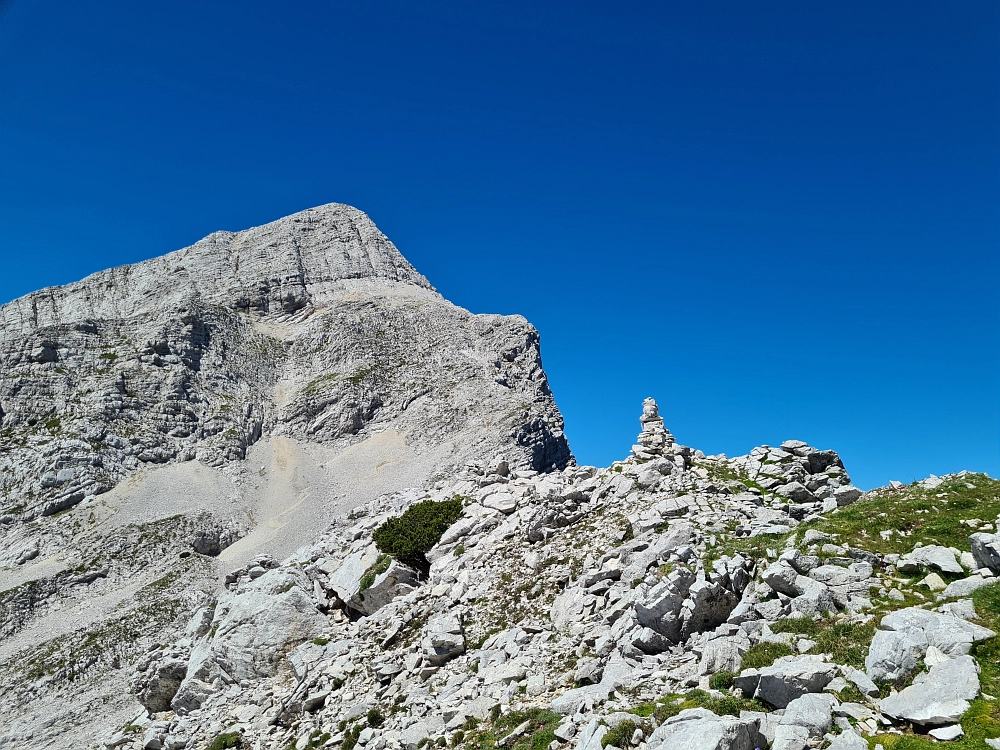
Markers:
point(780, 219)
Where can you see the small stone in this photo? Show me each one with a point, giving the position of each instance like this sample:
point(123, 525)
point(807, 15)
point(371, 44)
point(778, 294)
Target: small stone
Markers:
point(934, 582)
point(948, 733)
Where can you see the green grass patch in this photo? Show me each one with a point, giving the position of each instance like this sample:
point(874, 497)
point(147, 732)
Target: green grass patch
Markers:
point(539, 735)
point(226, 741)
point(721, 680)
point(915, 514)
point(764, 655)
point(374, 571)
point(673, 704)
point(846, 642)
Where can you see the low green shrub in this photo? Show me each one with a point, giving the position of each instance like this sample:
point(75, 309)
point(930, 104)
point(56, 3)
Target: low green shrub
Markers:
point(620, 736)
point(721, 680)
point(227, 741)
point(374, 571)
point(410, 536)
point(351, 737)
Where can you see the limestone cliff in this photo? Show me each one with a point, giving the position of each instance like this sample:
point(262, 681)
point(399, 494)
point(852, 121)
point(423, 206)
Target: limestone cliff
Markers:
point(163, 419)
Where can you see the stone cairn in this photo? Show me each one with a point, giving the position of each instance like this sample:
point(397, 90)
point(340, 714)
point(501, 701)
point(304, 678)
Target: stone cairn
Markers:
point(655, 439)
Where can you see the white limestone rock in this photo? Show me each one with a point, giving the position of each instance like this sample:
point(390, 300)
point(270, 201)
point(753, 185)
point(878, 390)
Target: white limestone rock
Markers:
point(700, 729)
point(941, 696)
point(787, 679)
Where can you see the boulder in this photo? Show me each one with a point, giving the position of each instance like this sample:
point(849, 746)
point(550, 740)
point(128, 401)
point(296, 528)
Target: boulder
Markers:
point(810, 594)
point(591, 735)
point(795, 491)
point(617, 672)
point(708, 604)
point(397, 580)
point(588, 671)
point(787, 679)
point(940, 696)
point(847, 494)
point(160, 682)
point(723, 654)
point(659, 607)
point(986, 551)
point(252, 631)
point(444, 639)
point(345, 580)
point(815, 599)
point(781, 577)
point(947, 734)
point(848, 740)
point(419, 731)
point(568, 606)
point(862, 681)
point(934, 556)
point(790, 737)
point(892, 656)
point(700, 729)
point(965, 586)
point(951, 634)
point(814, 711)
point(505, 502)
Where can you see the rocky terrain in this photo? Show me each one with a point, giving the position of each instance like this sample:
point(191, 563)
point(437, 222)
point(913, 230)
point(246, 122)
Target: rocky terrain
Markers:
point(163, 422)
point(348, 565)
point(671, 600)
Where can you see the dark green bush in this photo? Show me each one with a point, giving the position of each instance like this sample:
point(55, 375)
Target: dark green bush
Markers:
point(227, 741)
point(375, 718)
point(351, 737)
point(620, 736)
point(721, 680)
point(410, 536)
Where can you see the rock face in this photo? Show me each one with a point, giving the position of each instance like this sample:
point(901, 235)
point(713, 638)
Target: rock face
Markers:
point(698, 729)
point(180, 357)
point(222, 401)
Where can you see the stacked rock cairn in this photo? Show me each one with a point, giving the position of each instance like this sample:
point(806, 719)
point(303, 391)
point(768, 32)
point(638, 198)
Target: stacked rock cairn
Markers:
point(655, 439)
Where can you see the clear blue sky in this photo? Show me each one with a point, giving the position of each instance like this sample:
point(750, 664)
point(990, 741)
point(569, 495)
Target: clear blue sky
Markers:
point(780, 219)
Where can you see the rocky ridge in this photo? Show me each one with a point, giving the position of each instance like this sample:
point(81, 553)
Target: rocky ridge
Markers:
point(671, 600)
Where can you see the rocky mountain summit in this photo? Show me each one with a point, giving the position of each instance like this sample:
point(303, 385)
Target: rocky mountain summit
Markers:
point(162, 422)
point(273, 492)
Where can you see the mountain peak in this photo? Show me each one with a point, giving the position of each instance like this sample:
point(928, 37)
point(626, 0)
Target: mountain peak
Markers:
point(276, 268)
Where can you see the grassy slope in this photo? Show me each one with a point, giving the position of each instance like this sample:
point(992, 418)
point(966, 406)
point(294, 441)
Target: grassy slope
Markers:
point(913, 514)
